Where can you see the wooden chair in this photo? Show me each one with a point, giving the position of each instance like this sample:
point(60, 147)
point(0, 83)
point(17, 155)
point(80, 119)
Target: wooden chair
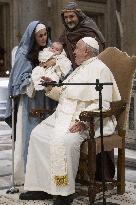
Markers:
point(123, 69)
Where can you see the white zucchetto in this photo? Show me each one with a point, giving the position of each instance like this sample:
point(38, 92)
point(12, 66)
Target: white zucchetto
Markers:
point(39, 27)
point(91, 42)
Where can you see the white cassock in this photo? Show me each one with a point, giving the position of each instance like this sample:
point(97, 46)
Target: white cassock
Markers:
point(54, 152)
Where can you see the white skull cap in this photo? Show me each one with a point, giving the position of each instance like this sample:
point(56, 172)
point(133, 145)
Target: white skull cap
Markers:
point(91, 42)
point(39, 27)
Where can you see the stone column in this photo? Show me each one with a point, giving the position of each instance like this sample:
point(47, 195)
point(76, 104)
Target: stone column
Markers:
point(29, 11)
point(16, 23)
point(128, 42)
point(55, 17)
point(128, 17)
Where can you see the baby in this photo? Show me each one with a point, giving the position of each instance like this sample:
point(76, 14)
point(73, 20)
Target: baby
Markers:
point(53, 64)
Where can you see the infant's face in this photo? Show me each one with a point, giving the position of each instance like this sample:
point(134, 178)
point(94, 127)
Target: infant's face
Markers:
point(56, 48)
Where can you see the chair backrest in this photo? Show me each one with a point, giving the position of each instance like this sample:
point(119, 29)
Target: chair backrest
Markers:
point(123, 68)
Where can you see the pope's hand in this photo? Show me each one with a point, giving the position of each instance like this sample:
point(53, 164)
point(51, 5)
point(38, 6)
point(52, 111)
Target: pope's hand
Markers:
point(78, 127)
point(47, 79)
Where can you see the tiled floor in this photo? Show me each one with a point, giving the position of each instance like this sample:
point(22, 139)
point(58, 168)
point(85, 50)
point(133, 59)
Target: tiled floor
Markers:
point(81, 198)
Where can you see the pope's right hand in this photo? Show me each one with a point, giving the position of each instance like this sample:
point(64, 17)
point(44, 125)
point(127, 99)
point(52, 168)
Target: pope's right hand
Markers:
point(45, 79)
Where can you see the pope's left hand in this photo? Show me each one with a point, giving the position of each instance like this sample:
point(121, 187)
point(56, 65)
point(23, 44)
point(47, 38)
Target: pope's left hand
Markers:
point(78, 127)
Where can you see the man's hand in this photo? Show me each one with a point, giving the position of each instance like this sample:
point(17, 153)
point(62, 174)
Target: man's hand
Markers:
point(78, 127)
point(47, 79)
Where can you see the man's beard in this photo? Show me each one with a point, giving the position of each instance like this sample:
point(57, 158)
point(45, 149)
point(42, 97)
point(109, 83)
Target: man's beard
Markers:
point(71, 25)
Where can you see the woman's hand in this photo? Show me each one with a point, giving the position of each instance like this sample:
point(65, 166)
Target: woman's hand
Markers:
point(42, 64)
point(49, 63)
point(78, 127)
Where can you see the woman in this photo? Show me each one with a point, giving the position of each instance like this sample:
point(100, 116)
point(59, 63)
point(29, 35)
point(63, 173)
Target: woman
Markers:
point(20, 87)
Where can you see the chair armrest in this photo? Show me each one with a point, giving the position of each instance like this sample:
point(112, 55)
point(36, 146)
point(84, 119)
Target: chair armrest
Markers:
point(116, 109)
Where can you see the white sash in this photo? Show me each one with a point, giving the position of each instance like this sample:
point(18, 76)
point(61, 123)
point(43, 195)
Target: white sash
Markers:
point(57, 148)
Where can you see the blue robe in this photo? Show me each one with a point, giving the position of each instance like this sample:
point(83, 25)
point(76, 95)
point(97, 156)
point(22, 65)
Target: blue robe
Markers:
point(19, 79)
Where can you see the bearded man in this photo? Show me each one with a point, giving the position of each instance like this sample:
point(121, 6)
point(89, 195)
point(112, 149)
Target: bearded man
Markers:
point(77, 25)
